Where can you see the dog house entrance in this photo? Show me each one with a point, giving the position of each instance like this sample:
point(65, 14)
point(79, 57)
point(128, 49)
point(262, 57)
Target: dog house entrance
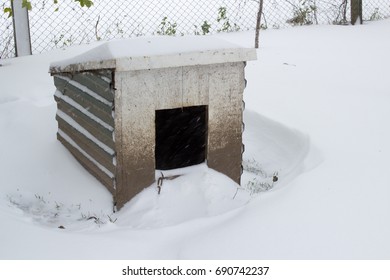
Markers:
point(181, 135)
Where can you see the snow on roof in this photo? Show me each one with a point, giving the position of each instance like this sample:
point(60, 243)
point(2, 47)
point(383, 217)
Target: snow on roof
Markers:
point(155, 52)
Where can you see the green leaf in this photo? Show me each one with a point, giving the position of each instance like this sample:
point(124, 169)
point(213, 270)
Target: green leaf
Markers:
point(9, 11)
point(89, 3)
point(83, 3)
point(26, 4)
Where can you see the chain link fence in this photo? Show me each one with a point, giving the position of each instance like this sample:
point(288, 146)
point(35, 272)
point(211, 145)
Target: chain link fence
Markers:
point(376, 9)
point(67, 23)
point(107, 19)
point(7, 46)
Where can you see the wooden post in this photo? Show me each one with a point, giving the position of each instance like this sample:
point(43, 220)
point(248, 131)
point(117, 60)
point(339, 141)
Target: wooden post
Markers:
point(258, 24)
point(21, 29)
point(356, 11)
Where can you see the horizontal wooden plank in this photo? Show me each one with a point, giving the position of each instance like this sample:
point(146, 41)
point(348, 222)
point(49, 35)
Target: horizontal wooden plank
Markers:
point(87, 145)
point(60, 83)
point(85, 90)
point(95, 82)
point(64, 83)
point(102, 111)
point(97, 130)
point(59, 97)
point(108, 182)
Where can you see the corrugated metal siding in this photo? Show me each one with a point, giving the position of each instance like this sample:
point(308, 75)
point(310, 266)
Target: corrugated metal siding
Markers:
point(100, 109)
point(85, 103)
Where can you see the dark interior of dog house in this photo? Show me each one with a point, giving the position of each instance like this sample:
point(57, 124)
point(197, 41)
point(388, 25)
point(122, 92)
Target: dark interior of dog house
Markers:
point(181, 136)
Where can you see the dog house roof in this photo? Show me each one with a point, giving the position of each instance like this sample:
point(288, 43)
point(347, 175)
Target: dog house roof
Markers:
point(155, 52)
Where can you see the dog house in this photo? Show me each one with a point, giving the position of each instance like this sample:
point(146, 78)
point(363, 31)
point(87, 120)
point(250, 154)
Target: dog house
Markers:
point(128, 108)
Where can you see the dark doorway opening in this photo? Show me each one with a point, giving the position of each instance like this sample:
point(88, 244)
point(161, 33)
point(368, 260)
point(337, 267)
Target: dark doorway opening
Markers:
point(181, 135)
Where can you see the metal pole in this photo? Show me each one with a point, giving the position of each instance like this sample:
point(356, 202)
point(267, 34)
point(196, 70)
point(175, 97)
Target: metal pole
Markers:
point(21, 29)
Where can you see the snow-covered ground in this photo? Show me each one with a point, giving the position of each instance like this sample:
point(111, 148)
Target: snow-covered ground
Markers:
point(317, 112)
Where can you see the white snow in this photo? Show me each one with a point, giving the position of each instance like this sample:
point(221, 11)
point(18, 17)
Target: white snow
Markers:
point(150, 46)
point(156, 52)
point(317, 112)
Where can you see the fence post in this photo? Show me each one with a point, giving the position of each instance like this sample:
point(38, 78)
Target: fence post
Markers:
point(21, 29)
point(258, 24)
point(356, 11)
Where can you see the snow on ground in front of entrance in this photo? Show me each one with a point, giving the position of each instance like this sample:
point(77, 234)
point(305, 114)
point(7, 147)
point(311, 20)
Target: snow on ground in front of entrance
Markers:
point(316, 114)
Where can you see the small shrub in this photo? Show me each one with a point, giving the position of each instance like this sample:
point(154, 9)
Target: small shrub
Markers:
point(167, 28)
point(376, 15)
point(304, 13)
point(341, 13)
point(205, 28)
point(262, 181)
point(256, 186)
point(61, 41)
point(224, 20)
